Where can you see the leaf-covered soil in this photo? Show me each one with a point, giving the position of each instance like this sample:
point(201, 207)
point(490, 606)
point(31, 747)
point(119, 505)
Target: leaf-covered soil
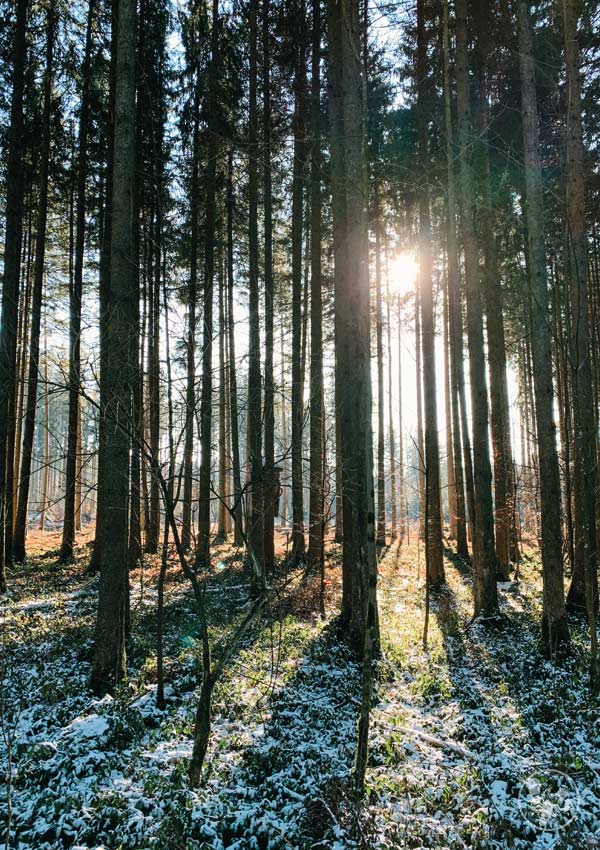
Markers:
point(476, 742)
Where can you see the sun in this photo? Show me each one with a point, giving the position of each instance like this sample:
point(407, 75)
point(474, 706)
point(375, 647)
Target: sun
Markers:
point(403, 270)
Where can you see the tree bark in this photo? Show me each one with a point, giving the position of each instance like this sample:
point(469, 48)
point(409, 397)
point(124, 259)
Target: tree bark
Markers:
point(109, 650)
point(433, 529)
point(585, 572)
point(297, 415)
point(233, 397)
point(203, 550)
point(10, 286)
point(499, 419)
point(36, 305)
point(484, 556)
point(316, 506)
point(75, 297)
point(554, 622)
point(256, 536)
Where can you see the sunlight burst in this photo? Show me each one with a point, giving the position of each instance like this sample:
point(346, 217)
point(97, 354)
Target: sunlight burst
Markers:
point(403, 271)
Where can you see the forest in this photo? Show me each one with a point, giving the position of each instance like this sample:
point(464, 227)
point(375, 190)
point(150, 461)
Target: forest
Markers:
point(299, 424)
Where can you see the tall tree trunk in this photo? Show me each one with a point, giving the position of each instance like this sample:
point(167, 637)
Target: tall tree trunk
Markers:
point(391, 434)
point(10, 286)
point(316, 525)
point(223, 489)
point(500, 421)
point(269, 474)
point(233, 398)
point(154, 287)
point(554, 622)
point(256, 534)
point(352, 314)
point(402, 508)
point(109, 650)
point(380, 532)
point(433, 530)
point(419, 382)
point(448, 388)
point(484, 556)
point(24, 316)
point(75, 297)
point(190, 397)
point(104, 294)
point(203, 550)
point(585, 573)
point(298, 542)
point(135, 548)
point(455, 335)
point(36, 306)
point(46, 470)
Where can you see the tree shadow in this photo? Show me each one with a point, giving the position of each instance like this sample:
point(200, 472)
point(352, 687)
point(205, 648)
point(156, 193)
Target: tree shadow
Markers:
point(291, 783)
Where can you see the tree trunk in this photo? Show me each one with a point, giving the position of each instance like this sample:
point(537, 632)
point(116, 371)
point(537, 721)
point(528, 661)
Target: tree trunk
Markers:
point(203, 550)
point(450, 479)
point(223, 489)
point(36, 306)
point(316, 525)
point(500, 421)
point(135, 550)
point(256, 536)
point(380, 534)
point(298, 542)
point(352, 309)
point(402, 508)
point(46, 470)
point(269, 471)
point(391, 435)
point(233, 398)
point(454, 314)
point(554, 623)
point(109, 650)
point(10, 286)
point(190, 397)
point(584, 575)
point(433, 530)
point(484, 556)
point(75, 296)
point(419, 382)
point(104, 295)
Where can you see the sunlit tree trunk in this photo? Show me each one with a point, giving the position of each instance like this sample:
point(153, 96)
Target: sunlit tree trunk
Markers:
point(391, 434)
point(419, 382)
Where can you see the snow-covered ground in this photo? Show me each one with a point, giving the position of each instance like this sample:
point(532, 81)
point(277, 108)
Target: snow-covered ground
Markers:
point(476, 743)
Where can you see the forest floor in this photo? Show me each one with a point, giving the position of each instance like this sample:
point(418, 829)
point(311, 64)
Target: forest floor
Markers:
point(476, 742)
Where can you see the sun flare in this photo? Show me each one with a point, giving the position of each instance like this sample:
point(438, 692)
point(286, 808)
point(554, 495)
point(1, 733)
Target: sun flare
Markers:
point(403, 271)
